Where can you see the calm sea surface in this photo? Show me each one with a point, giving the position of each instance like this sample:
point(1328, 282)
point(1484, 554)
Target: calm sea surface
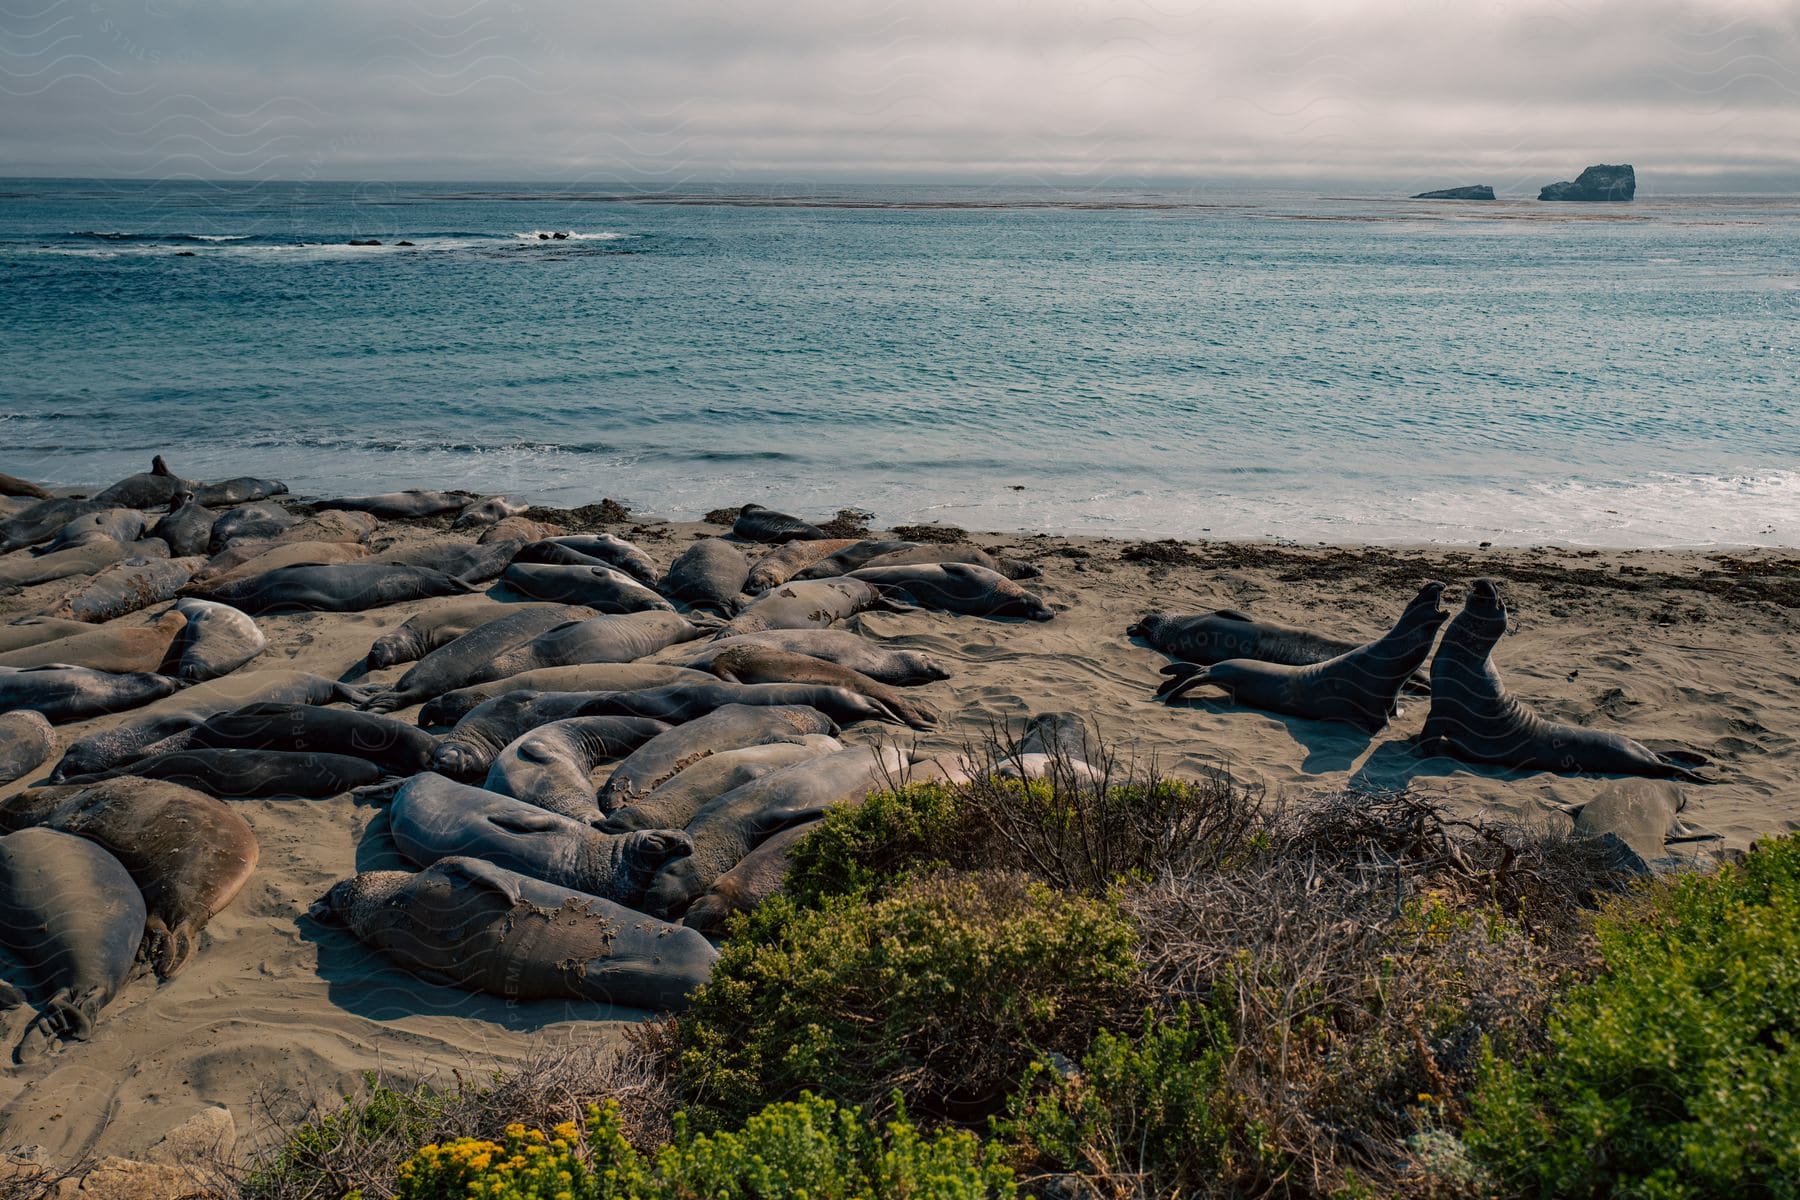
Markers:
point(1198, 363)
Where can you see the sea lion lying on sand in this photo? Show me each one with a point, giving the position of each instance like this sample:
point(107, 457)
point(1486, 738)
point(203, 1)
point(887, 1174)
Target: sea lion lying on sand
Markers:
point(217, 640)
point(250, 774)
point(439, 626)
point(155, 488)
point(729, 727)
point(260, 521)
point(901, 668)
point(957, 587)
point(400, 748)
point(119, 524)
point(785, 562)
point(121, 649)
point(592, 550)
point(676, 801)
point(41, 521)
point(1226, 633)
point(708, 574)
point(89, 558)
point(751, 663)
point(477, 655)
point(758, 524)
point(552, 766)
point(452, 707)
point(187, 527)
point(241, 490)
point(26, 741)
point(815, 605)
point(125, 588)
point(339, 587)
point(599, 588)
point(63, 693)
point(468, 751)
point(759, 875)
point(411, 503)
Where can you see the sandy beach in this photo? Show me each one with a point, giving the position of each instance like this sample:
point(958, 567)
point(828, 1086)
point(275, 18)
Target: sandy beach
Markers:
point(1675, 648)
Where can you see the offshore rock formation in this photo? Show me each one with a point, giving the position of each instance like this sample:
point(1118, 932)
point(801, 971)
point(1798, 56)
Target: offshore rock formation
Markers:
point(1479, 191)
point(1596, 183)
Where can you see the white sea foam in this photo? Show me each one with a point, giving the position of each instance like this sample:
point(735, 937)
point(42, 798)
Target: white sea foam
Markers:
point(566, 235)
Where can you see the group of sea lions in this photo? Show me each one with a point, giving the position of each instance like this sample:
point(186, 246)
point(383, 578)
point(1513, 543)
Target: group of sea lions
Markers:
point(714, 689)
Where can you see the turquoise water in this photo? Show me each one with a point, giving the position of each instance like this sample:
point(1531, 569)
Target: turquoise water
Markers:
point(1180, 363)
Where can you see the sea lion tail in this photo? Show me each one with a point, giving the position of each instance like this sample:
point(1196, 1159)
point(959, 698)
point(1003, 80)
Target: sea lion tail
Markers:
point(1685, 765)
point(1183, 678)
point(166, 950)
point(65, 1016)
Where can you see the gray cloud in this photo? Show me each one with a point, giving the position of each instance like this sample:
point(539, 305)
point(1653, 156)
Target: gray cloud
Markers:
point(1308, 91)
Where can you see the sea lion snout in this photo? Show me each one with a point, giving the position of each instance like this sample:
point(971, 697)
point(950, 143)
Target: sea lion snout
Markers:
point(331, 908)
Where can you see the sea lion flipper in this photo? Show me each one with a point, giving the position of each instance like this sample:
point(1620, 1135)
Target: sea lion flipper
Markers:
point(1178, 685)
point(540, 820)
point(1684, 758)
point(480, 874)
point(10, 996)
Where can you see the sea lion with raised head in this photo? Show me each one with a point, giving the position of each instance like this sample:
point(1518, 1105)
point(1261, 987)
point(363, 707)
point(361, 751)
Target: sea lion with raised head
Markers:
point(73, 918)
point(552, 766)
point(452, 707)
point(432, 818)
point(1474, 718)
point(466, 923)
point(257, 521)
point(729, 828)
point(411, 503)
point(1359, 688)
point(189, 853)
point(901, 668)
point(468, 750)
point(125, 588)
point(217, 640)
point(1227, 633)
point(250, 774)
point(401, 748)
point(600, 588)
point(758, 524)
point(155, 488)
point(815, 605)
point(241, 490)
point(118, 648)
point(751, 663)
point(957, 587)
point(64, 693)
point(187, 527)
point(26, 741)
point(759, 875)
point(708, 574)
point(476, 655)
point(786, 562)
point(729, 727)
point(338, 587)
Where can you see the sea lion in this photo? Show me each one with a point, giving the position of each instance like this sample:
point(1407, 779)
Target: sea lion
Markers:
point(331, 526)
point(728, 727)
point(241, 490)
point(466, 923)
point(187, 527)
point(849, 558)
point(1062, 735)
point(675, 801)
point(249, 560)
point(599, 588)
point(475, 655)
point(63, 693)
point(750, 663)
point(73, 918)
point(217, 640)
point(1473, 717)
point(729, 828)
point(338, 587)
point(520, 529)
point(1226, 633)
point(552, 766)
point(12, 485)
point(953, 552)
point(603, 549)
point(167, 723)
point(401, 748)
point(468, 750)
point(189, 854)
point(708, 574)
point(490, 511)
point(758, 524)
point(433, 818)
point(26, 740)
point(42, 520)
point(901, 668)
point(476, 562)
point(1359, 688)
point(957, 587)
point(786, 562)
point(124, 588)
point(154, 488)
point(250, 774)
point(437, 627)
point(452, 707)
point(89, 558)
point(815, 605)
point(760, 875)
point(257, 521)
point(410, 503)
point(116, 648)
point(35, 631)
point(119, 524)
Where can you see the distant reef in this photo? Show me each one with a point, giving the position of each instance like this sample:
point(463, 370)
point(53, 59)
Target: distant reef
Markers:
point(1596, 183)
point(1479, 191)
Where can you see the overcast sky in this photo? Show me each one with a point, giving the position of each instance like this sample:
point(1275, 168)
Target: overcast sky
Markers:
point(1313, 92)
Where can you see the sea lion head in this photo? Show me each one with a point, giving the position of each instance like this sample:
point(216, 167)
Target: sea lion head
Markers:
point(1482, 621)
point(1427, 607)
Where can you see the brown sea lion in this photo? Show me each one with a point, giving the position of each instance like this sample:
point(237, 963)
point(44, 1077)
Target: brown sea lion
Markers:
point(901, 668)
point(217, 640)
point(411, 503)
point(729, 727)
point(116, 648)
point(958, 588)
point(599, 588)
point(477, 654)
point(758, 876)
point(26, 741)
point(12, 485)
point(444, 623)
point(815, 605)
point(89, 558)
point(125, 588)
point(675, 801)
point(785, 562)
point(751, 663)
point(63, 694)
point(256, 558)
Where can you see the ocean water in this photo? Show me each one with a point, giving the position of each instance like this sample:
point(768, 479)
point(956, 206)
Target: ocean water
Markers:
point(1186, 363)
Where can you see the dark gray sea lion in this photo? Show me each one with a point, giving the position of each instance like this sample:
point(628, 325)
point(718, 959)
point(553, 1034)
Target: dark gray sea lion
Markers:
point(953, 552)
point(1226, 633)
point(1063, 735)
point(117, 648)
point(676, 801)
point(750, 663)
point(26, 741)
point(728, 829)
point(338, 587)
point(552, 766)
point(154, 488)
point(248, 560)
point(35, 631)
point(401, 748)
point(609, 551)
point(125, 588)
point(466, 923)
point(708, 574)
point(119, 524)
point(217, 640)
point(250, 774)
point(490, 511)
point(761, 874)
point(439, 626)
point(187, 527)
point(785, 562)
point(412, 503)
point(902, 668)
point(849, 558)
point(189, 854)
point(241, 490)
point(452, 707)
point(257, 521)
point(814, 605)
point(71, 915)
point(167, 723)
point(688, 702)
point(468, 750)
point(476, 655)
point(728, 727)
point(758, 524)
point(89, 558)
point(63, 694)
point(434, 818)
point(12, 485)
point(958, 588)
point(1359, 688)
point(476, 562)
point(42, 520)
point(1474, 718)
point(599, 588)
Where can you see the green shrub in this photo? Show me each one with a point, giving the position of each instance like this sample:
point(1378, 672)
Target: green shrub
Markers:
point(1676, 1073)
point(943, 991)
point(810, 1148)
point(328, 1156)
point(1152, 1110)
